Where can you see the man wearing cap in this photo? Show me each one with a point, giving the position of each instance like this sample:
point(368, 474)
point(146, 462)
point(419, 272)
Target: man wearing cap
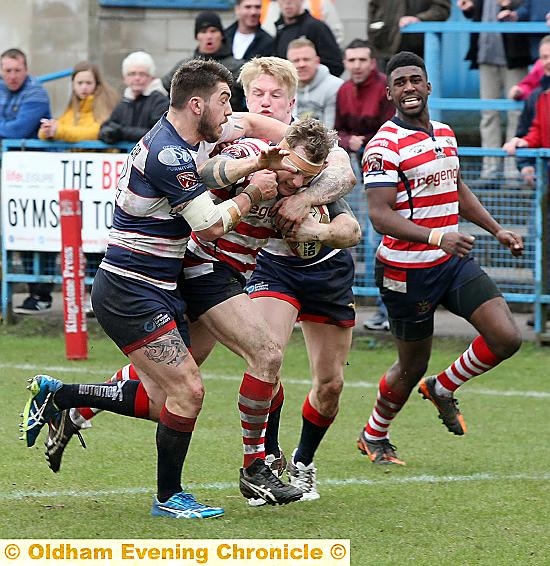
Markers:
point(211, 44)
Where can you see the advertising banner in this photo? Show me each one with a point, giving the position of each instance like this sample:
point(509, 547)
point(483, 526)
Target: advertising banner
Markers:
point(31, 181)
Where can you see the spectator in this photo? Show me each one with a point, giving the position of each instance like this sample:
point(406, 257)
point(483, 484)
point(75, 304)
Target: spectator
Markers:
point(538, 134)
point(91, 102)
point(529, 83)
point(317, 88)
point(144, 101)
point(361, 108)
point(212, 44)
point(502, 60)
point(23, 103)
point(529, 11)
point(526, 165)
point(296, 22)
point(324, 10)
point(387, 18)
point(246, 36)
point(23, 100)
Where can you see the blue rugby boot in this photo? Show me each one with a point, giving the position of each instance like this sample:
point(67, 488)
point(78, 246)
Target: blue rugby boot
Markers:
point(184, 506)
point(40, 407)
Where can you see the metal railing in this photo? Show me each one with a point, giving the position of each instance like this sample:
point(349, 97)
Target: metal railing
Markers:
point(433, 32)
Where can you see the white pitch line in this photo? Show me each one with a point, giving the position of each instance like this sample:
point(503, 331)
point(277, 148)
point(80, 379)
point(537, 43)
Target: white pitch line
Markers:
point(103, 374)
point(342, 482)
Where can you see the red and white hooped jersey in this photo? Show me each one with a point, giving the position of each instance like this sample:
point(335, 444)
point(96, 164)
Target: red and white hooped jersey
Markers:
point(399, 155)
point(239, 247)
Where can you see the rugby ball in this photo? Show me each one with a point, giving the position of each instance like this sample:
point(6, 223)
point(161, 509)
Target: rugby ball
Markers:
point(308, 250)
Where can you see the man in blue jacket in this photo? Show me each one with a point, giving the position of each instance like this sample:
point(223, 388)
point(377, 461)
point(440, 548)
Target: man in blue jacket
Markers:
point(23, 100)
point(23, 103)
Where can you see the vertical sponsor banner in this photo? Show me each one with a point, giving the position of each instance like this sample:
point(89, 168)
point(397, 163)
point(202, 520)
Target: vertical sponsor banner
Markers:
point(73, 266)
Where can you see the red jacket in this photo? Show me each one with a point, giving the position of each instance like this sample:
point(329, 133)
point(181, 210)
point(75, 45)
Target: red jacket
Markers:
point(362, 108)
point(539, 132)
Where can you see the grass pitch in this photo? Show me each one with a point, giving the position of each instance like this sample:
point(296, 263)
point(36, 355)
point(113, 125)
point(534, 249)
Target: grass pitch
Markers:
point(479, 499)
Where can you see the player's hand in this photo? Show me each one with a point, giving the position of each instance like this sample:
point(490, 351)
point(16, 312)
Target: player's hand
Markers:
point(456, 243)
point(512, 240)
point(266, 181)
point(309, 230)
point(290, 212)
point(274, 158)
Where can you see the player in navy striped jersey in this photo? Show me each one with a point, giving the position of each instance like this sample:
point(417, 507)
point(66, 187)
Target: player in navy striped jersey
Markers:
point(271, 86)
point(160, 199)
point(415, 197)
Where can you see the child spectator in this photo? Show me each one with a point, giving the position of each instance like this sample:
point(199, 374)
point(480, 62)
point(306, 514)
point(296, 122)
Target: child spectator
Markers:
point(92, 101)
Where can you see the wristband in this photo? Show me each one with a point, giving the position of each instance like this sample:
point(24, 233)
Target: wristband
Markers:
point(435, 237)
point(254, 193)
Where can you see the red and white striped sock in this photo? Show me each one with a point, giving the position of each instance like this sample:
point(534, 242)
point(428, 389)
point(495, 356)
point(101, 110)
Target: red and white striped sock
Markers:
point(477, 359)
point(254, 403)
point(388, 404)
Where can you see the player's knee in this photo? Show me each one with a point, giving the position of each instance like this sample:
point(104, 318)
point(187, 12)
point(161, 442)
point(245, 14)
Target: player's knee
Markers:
point(506, 344)
point(414, 371)
point(268, 358)
point(332, 389)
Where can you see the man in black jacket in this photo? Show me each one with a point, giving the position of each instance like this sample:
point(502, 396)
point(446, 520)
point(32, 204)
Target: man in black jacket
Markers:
point(246, 36)
point(296, 22)
point(145, 101)
point(212, 44)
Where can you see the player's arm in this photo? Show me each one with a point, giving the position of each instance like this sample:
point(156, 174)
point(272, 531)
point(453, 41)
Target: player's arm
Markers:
point(221, 171)
point(256, 125)
point(471, 209)
point(386, 221)
point(343, 231)
point(211, 221)
point(336, 180)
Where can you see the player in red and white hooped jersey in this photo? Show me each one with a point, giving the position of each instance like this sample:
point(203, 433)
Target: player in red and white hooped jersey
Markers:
point(255, 233)
point(415, 195)
point(213, 286)
point(424, 168)
point(240, 247)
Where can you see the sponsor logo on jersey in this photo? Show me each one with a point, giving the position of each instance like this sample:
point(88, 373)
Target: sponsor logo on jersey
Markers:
point(135, 151)
point(157, 322)
point(257, 288)
point(188, 180)
point(174, 156)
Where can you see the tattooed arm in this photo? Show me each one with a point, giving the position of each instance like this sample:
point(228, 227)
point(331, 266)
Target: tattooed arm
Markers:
point(334, 182)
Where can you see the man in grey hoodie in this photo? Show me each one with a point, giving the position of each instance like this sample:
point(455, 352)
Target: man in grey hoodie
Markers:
point(317, 88)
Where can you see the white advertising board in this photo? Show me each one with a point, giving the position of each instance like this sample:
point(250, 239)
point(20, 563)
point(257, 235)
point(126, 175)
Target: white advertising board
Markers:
point(31, 181)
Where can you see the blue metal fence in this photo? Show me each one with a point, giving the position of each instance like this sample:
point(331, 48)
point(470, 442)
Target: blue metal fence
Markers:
point(515, 206)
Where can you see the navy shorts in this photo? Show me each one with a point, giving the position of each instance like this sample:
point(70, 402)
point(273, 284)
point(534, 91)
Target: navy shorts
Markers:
point(412, 295)
point(322, 292)
point(133, 313)
point(206, 291)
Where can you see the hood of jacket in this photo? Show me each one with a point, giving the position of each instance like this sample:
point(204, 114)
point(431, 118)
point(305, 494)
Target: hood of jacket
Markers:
point(155, 84)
